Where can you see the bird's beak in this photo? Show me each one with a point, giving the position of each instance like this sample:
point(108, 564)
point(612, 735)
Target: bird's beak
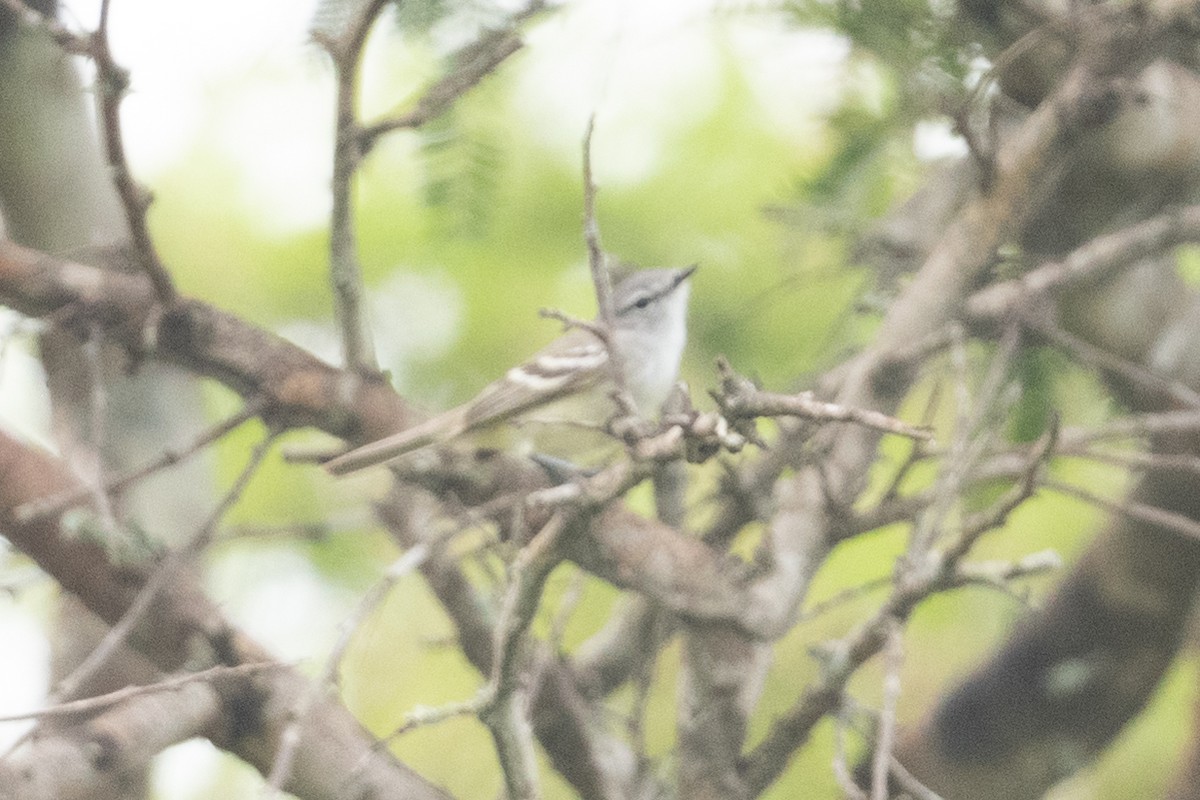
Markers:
point(685, 273)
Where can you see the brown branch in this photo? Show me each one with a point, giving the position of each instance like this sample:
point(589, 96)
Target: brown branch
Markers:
point(739, 399)
point(88, 705)
point(112, 82)
point(98, 755)
point(675, 570)
point(563, 716)
point(502, 709)
point(1027, 166)
point(184, 626)
point(296, 388)
point(164, 574)
point(793, 728)
point(289, 740)
point(345, 272)
point(1091, 262)
point(69, 41)
point(170, 457)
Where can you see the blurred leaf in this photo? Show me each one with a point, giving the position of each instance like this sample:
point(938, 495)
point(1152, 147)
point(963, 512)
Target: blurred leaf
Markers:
point(1035, 371)
point(463, 167)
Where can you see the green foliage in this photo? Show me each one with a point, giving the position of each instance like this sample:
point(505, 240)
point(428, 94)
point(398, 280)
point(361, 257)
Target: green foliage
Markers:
point(419, 16)
point(464, 167)
point(1035, 372)
point(1187, 260)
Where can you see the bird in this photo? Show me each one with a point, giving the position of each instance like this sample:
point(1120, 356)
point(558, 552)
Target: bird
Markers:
point(649, 333)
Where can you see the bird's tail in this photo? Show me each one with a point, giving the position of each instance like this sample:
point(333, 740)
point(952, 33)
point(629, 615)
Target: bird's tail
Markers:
point(433, 430)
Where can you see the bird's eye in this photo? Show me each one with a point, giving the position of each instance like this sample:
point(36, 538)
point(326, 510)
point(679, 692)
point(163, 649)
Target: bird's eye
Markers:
point(642, 302)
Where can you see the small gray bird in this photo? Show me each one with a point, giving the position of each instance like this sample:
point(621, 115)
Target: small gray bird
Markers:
point(572, 372)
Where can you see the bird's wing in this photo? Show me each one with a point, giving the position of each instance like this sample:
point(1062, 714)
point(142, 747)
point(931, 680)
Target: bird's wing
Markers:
point(567, 365)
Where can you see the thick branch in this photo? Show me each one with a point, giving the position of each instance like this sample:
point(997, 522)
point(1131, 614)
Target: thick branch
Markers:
point(297, 388)
point(183, 625)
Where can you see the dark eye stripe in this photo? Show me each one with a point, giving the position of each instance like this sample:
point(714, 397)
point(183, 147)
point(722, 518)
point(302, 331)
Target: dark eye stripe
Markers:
point(646, 299)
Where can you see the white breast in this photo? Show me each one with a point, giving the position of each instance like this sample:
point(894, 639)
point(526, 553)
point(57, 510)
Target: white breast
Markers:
point(650, 356)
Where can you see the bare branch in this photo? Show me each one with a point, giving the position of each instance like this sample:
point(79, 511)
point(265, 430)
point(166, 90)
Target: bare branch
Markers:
point(473, 63)
point(893, 654)
point(297, 388)
point(112, 82)
point(57, 504)
point(1169, 520)
point(69, 41)
point(740, 399)
point(166, 572)
point(88, 705)
point(1135, 374)
point(503, 710)
point(344, 270)
point(289, 740)
point(598, 264)
point(184, 626)
point(1093, 261)
point(794, 727)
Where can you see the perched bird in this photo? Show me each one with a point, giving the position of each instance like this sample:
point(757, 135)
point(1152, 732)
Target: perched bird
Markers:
point(573, 372)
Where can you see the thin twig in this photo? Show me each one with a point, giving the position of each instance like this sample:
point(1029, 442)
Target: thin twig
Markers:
point(112, 82)
point(1105, 361)
point(591, 235)
point(420, 716)
point(502, 710)
point(845, 596)
point(971, 437)
point(88, 705)
point(796, 724)
point(289, 739)
point(1137, 460)
point(974, 526)
point(570, 322)
point(55, 504)
point(473, 63)
point(1141, 512)
point(841, 766)
point(739, 399)
point(1092, 261)
point(1141, 425)
point(1001, 574)
point(345, 273)
point(598, 264)
point(162, 576)
point(917, 448)
point(893, 657)
point(909, 783)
